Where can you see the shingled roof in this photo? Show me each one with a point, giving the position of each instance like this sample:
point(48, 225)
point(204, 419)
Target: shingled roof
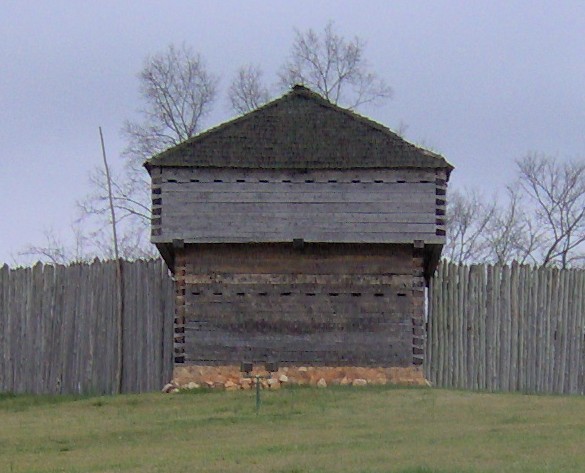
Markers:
point(300, 130)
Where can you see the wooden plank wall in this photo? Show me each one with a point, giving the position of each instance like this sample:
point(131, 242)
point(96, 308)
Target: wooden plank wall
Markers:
point(58, 328)
point(239, 206)
point(507, 328)
point(321, 305)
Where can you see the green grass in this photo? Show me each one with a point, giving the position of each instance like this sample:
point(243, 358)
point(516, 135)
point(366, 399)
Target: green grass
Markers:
point(374, 429)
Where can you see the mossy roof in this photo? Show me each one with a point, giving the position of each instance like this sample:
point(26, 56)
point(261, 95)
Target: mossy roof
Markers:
point(300, 130)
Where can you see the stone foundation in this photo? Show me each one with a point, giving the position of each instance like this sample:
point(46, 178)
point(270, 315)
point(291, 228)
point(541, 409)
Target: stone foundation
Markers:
point(230, 377)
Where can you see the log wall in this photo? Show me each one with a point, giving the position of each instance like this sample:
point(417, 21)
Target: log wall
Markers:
point(331, 305)
point(243, 206)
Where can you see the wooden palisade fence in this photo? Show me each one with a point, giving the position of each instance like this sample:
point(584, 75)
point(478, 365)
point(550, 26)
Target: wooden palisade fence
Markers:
point(59, 332)
point(490, 328)
point(507, 328)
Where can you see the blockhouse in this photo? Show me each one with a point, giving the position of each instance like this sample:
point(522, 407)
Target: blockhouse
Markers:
point(301, 233)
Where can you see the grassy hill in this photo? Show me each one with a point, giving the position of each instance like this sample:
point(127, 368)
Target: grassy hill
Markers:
point(372, 429)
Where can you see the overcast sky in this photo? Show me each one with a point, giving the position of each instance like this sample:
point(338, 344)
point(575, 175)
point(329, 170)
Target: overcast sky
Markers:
point(481, 82)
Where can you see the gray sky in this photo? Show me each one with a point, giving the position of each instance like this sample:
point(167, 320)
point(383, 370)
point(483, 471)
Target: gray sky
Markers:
point(481, 82)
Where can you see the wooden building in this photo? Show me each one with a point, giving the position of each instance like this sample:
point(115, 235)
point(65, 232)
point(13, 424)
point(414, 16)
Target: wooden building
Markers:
point(300, 233)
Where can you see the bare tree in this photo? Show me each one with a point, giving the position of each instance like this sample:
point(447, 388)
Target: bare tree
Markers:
point(511, 233)
point(111, 224)
point(54, 250)
point(496, 231)
point(333, 67)
point(246, 91)
point(557, 192)
point(178, 93)
point(90, 240)
point(131, 202)
point(468, 217)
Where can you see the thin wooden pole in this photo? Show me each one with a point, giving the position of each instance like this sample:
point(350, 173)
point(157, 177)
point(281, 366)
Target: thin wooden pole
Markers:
point(119, 274)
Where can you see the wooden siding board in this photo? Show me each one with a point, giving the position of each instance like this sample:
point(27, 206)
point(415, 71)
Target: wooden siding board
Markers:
point(356, 348)
point(310, 206)
point(345, 254)
point(267, 190)
point(304, 193)
point(232, 175)
point(402, 208)
point(322, 237)
point(336, 281)
point(331, 266)
point(309, 216)
point(290, 228)
point(177, 200)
